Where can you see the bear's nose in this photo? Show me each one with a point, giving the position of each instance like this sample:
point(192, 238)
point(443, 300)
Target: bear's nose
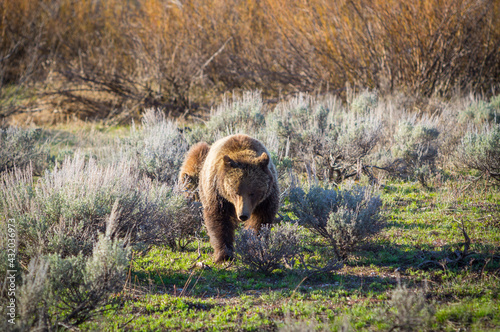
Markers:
point(243, 217)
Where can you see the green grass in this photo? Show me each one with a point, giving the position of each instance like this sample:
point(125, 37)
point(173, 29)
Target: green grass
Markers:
point(167, 292)
point(418, 248)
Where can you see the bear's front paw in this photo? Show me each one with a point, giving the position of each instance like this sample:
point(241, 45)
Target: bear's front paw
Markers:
point(223, 255)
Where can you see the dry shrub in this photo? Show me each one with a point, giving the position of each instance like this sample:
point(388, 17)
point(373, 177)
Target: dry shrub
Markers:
point(429, 46)
point(124, 56)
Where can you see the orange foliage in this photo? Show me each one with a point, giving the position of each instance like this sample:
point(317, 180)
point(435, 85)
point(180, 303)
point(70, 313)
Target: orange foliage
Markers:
point(174, 49)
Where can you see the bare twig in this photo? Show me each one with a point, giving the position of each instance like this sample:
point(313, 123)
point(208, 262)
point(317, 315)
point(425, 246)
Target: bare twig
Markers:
point(199, 73)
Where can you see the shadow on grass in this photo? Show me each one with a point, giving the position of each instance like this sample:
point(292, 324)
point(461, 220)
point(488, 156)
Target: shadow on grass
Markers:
point(219, 282)
point(374, 268)
point(410, 225)
point(425, 257)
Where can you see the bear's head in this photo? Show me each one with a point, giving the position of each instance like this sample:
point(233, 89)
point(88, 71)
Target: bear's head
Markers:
point(247, 182)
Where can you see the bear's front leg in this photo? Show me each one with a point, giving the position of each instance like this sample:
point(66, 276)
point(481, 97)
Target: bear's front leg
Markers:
point(220, 227)
point(263, 214)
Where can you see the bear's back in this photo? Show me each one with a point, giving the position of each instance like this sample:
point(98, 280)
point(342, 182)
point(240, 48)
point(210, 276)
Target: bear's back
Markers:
point(235, 144)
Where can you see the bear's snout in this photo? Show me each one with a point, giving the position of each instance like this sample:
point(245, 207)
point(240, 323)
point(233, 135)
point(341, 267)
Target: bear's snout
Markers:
point(243, 206)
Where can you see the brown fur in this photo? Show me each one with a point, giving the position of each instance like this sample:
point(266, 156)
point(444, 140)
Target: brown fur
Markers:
point(190, 169)
point(237, 182)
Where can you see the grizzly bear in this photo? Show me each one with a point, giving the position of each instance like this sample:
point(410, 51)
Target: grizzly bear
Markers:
point(237, 181)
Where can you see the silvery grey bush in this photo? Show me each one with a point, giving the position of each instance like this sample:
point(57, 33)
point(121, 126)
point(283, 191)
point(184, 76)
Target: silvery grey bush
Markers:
point(415, 149)
point(356, 137)
point(178, 221)
point(267, 250)
point(410, 310)
point(329, 141)
point(32, 296)
point(495, 105)
point(67, 207)
point(240, 114)
point(365, 101)
point(19, 147)
point(480, 150)
point(65, 292)
point(158, 147)
point(63, 212)
point(480, 111)
point(344, 218)
point(302, 122)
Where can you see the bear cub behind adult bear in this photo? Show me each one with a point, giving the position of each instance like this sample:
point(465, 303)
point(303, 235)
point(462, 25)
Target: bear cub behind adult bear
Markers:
point(237, 181)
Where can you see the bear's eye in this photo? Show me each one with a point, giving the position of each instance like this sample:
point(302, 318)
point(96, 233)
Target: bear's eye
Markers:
point(251, 195)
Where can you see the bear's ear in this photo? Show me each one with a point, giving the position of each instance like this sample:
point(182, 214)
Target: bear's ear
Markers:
point(263, 160)
point(229, 162)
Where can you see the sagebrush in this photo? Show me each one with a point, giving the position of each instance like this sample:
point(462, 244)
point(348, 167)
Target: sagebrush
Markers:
point(268, 250)
point(344, 218)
